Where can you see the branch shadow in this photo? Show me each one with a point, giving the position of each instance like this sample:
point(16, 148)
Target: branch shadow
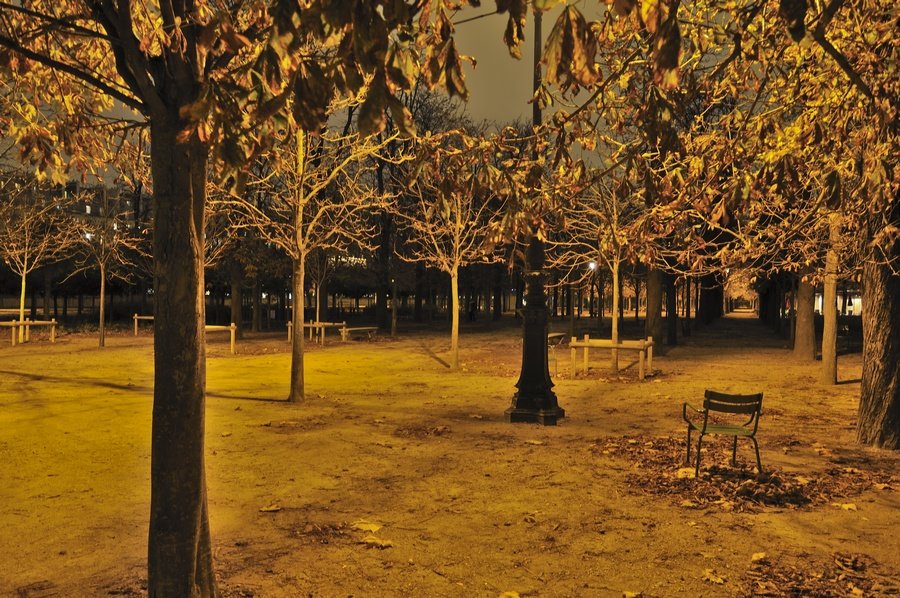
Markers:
point(434, 356)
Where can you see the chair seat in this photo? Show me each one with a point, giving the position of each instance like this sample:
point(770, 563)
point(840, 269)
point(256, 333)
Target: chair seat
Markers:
point(725, 429)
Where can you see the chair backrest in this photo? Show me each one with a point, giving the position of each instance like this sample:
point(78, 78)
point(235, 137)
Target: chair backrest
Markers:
point(729, 403)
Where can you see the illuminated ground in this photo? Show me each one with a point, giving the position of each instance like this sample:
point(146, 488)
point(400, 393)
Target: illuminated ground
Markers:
point(467, 504)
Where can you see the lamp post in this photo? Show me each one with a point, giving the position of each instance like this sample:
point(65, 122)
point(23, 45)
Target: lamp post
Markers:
point(535, 401)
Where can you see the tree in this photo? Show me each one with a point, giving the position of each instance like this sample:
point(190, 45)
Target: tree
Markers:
point(311, 195)
point(208, 79)
point(35, 229)
point(104, 240)
point(600, 230)
point(448, 219)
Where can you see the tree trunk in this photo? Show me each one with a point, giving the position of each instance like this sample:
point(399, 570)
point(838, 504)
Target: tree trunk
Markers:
point(879, 405)
point(686, 328)
point(805, 330)
point(298, 391)
point(653, 325)
point(615, 314)
point(395, 304)
point(829, 305)
point(256, 308)
point(454, 326)
point(498, 291)
point(237, 301)
point(102, 328)
point(420, 290)
point(48, 292)
point(179, 548)
point(23, 277)
point(637, 298)
point(671, 311)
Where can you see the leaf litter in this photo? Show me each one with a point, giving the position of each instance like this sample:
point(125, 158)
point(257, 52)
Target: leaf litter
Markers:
point(741, 488)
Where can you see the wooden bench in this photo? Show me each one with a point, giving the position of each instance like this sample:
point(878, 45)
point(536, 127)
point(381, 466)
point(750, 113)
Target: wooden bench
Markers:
point(370, 332)
point(315, 329)
point(727, 405)
point(136, 317)
point(232, 329)
point(643, 347)
point(23, 328)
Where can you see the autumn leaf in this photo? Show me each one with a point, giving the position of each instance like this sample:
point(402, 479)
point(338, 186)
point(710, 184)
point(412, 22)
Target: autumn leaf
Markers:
point(622, 8)
point(312, 94)
point(711, 576)
point(667, 56)
point(545, 5)
point(570, 51)
point(373, 541)
point(366, 526)
point(794, 14)
point(515, 25)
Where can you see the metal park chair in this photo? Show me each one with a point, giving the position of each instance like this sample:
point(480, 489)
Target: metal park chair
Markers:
point(731, 405)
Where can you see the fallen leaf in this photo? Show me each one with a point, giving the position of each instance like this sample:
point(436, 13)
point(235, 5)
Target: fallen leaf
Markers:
point(685, 472)
point(273, 508)
point(365, 526)
point(710, 576)
point(375, 542)
point(879, 486)
point(226, 434)
point(535, 442)
point(688, 504)
point(508, 595)
point(758, 557)
point(632, 594)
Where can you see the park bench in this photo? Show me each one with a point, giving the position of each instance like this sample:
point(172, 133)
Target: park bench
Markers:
point(16, 325)
point(232, 329)
point(644, 348)
point(136, 318)
point(369, 331)
point(732, 406)
point(316, 328)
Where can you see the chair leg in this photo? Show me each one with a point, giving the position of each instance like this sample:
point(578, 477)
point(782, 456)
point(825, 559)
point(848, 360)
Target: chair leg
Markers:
point(756, 446)
point(734, 453)
point(687, 459)
point(697, 467)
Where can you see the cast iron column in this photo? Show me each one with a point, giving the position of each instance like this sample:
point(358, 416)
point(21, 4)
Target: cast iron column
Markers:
point(535, 401)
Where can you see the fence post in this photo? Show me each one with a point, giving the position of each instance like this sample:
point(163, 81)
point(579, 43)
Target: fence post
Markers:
point(135, 324)
point(641, 362)
point(232, 329)
point(650, 354)
point(587, 338)
point(53, 330)
point(15, 330)
point(27, 330)
point(572, 351)
point(290, 330)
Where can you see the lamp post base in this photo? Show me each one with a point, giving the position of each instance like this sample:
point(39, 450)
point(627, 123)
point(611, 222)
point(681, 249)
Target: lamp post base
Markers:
point(545, 417)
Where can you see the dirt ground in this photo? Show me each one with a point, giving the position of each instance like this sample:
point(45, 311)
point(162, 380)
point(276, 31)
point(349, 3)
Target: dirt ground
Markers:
point(399, 477)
